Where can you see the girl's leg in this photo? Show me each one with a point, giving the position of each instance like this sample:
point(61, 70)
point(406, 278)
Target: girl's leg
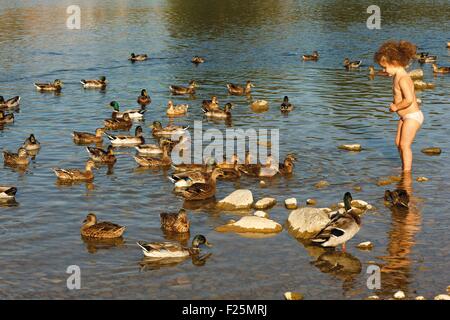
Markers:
point(397, 138)
point(408, 133)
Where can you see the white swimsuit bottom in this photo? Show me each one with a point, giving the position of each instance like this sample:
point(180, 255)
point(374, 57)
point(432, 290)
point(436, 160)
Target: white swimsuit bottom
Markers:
point(418, 116)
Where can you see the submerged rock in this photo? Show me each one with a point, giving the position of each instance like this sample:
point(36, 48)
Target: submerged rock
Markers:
point(251, 224)
point(322, 184)
point(375, 297)
point(261, 214)
point(420, 298)
point(306, 222)
point(350, 147)
point(367, 245)
point(265, 203)
point(419, 84)
point(422, 179)
point(442, 297)
point(399, 295)
point(293, 296)
point(237, 200)
point(290, 203)
point(432, 151)
point(416, 74)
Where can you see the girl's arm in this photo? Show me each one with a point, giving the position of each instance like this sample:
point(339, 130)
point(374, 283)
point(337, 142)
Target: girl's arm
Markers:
point(407, 88)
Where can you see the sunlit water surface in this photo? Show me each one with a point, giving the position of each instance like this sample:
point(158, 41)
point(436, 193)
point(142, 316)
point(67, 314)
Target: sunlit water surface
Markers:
point(261, 41)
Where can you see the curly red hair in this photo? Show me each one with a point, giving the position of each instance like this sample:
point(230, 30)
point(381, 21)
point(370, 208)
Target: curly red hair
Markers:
point(396, 53)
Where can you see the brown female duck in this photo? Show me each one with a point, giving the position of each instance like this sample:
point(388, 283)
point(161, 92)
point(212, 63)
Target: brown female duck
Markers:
point(211, 105)
point(55, 86)
point(31, 144)
point(124, 123)
point(175, 222)
point(202, 191)
point(164, 161)
point(86, 137)
point(76, 174)
point(240, 90)
point(190, 89)
point(6, 118)
point(100, 230)
point(10, 103)
point(311, 57)
point(16, 159)
point(100, 155)
point(144, 99)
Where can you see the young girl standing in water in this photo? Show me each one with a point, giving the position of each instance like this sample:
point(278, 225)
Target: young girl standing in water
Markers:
point(394, 57)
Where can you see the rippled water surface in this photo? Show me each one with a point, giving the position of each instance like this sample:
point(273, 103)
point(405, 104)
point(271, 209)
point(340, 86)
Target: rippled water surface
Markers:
point(256, 40)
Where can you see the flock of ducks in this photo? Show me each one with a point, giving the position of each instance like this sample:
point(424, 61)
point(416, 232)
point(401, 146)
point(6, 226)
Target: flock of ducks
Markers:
point(193, 182)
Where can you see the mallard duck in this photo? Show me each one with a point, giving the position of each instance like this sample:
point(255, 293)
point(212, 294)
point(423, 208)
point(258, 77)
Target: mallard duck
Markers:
point(240, 90)
point(124, 140)
point(352, 64)
point(374, 72)
point(219, 113)
point(437, 69)
point(397, 198)
point(225, 164)
point(420, 85)
point(55, 86)
point(421, 55)
point(311, 57)
point(211, 105)
point(10, 103)
point(182, 167)
point(286, 106)
point(164, 161)
point(197, 60)
point(7, 193)
point(144, 99)
point(176, 110)
point(31, 143)
point(175, 222)
point(287, 167)
point(16, 159)
point(259, 105)
point(124, 123)
point(341, 228)
point(100, 230)
point(203, 191)
point(6, 118)
point(190, 89)
point(76, 174)
point(100, 155)
point(168, 131)
point(137, 114)
point(138, 57)
point(94, 84)
point(184, 179)
point(427, 59)
point(163, 250)
point(86, 137)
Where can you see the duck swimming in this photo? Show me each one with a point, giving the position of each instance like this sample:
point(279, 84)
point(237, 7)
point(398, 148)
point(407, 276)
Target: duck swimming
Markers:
point(7, 193)
point(76, 174)
point(136, 114)
point(94, 84)
point(219, 113)
point(179, 90)
point(176, 110)
point(144, 99)
point(437, 69)
point(138, 57)
point(352, 64)
point(100, 230)
point(10, 103)
point(240, 90)
point(197, 60)
point(159, 131)
point(16, 159)
point(175, 222)
point(166, 250)
point(100, 155)
point(86, 137)
point(397, 198)
point(341, 228)
point(286, 106)
point(123, 123)
point(31, 143)
point(311, 57)
point(210, 105)
point(55, 86)
point(124, 140)
point(6, 118)
point(374, 72)
point(202, 191)
point(164, 161)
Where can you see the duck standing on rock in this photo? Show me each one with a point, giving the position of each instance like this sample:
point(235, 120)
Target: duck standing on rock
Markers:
point(175, 222)
point(341, 228)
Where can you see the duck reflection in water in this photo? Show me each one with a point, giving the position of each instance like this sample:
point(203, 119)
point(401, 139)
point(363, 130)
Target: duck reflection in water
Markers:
point(93, 245)
point(406, 223)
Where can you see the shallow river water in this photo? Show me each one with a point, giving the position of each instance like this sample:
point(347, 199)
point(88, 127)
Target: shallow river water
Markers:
point(260, 41)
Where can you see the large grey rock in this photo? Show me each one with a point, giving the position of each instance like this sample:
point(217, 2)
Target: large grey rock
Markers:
point(253, 224)
point(237, 200)
point(306, 222)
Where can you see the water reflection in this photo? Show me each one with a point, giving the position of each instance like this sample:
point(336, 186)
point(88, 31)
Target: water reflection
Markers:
point(148, 263)
point(396, 271)
point(93, 245)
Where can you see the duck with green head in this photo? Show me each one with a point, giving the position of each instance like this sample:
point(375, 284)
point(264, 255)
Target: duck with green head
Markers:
point(135, 114)
point(165, 250)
